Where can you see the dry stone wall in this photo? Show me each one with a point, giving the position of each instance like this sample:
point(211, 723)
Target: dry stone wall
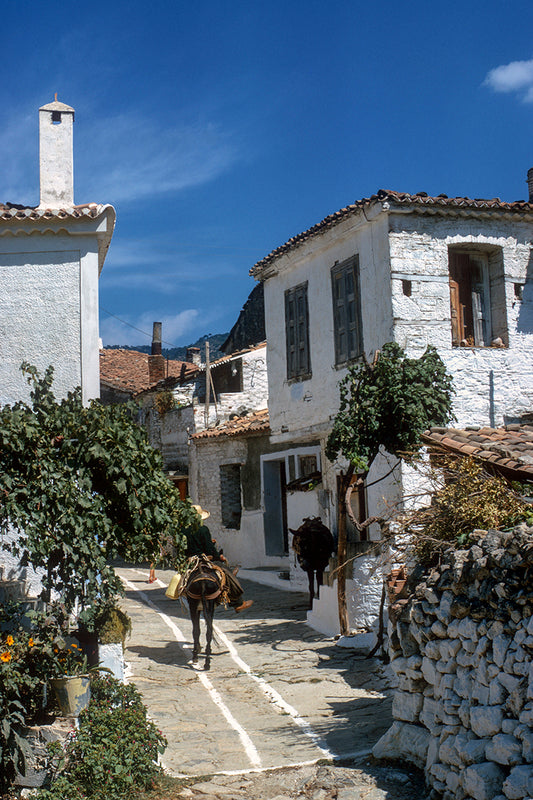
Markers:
point(460, 649)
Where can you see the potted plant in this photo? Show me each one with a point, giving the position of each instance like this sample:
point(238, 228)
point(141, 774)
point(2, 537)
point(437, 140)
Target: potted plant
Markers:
point(109, 625)
point(71, 681)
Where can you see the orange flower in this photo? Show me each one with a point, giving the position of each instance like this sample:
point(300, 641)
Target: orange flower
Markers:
point(5, 656)
point(30, 642)
point(10, 640)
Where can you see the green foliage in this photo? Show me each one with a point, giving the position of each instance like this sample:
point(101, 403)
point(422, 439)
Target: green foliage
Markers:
point(69, 659)
point(112, 625)
point(27, 640)
point(114, 752)
point(164, 401)
point(470, 499)
point(82, 485)
point(389, 404)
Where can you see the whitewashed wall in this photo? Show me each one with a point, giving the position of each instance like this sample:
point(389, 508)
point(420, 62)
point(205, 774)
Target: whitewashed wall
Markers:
point(49, 307)
point(301, 405)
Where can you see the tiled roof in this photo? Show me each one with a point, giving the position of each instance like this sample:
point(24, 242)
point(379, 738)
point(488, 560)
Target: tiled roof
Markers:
point(12, 211)
point(237, 353)
point(508, 449)
point(254, 423)
point(128, 369)
point(419, 201)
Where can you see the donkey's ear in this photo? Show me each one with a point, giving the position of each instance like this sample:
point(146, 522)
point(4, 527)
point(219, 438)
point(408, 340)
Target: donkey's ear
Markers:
point(291, 530)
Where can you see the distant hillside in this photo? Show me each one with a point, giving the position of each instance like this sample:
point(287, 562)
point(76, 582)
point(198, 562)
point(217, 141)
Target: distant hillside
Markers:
point(179, 353)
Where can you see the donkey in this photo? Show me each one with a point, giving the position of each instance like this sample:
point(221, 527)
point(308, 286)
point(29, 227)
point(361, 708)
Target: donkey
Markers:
point(313, 544)
point(203, 588)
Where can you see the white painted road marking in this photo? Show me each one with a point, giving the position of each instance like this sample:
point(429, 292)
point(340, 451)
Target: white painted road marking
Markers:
point(275, 698)
point(248, 745)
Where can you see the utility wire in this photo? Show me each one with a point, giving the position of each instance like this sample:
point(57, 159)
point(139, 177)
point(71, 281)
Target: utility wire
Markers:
point(172, 344)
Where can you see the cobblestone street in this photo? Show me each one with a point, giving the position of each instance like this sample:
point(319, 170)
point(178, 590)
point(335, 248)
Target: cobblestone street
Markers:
point(279, 696)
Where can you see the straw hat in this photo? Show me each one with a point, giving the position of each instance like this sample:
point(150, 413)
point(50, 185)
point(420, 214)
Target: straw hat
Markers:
point(201, 513)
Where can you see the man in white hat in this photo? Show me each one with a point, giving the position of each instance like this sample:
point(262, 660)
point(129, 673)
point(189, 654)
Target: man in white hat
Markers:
point(199, 542)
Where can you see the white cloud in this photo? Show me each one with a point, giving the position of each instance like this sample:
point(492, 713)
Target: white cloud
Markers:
point(127, 157)
point(514, 77)
point(175, 327)
point(121, 158)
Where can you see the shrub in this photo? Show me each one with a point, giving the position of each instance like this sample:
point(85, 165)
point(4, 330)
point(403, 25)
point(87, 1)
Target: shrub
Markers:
point(470, 499)
point(26, 653)
point(114, 752)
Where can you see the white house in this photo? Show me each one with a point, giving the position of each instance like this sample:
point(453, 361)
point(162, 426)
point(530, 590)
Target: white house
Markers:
point(452, 272)
point(51, 257)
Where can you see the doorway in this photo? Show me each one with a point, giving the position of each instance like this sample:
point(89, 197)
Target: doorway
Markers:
point(275, 514)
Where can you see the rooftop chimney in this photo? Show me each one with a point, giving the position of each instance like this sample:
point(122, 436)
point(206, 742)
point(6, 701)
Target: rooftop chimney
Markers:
point(156, 361)
point(530, 184)
point(156, 339)
point(56, 122)
point(193, 355)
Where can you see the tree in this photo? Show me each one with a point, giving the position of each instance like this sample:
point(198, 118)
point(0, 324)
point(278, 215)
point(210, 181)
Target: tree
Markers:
point(388, 403)
point(81, 486)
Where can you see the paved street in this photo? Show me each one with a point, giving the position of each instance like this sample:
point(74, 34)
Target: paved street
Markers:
point(278, 696)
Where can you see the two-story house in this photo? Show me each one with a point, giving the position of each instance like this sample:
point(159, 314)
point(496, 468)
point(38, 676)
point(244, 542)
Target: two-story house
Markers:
point(456, 273)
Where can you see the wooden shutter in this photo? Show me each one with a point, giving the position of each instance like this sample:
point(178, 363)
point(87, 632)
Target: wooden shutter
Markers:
point(297, 332)
point(346, 310)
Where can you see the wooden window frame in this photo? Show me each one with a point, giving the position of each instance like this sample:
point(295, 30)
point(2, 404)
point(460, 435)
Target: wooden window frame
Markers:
point(470, 298)
point(347, 328)
point(297, 333)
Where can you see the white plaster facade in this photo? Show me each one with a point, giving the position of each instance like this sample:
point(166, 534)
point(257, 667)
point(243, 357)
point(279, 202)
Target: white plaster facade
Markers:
point(49, 268)
point(403, 244)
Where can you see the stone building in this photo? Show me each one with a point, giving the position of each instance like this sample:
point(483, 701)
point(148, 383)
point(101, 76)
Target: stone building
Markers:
point(455, 273)
point(177, 407)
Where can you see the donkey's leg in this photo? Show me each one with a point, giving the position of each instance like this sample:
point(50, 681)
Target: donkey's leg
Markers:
point(319, 581)
point(310, 578)
point(209, 610)
point(195, 619)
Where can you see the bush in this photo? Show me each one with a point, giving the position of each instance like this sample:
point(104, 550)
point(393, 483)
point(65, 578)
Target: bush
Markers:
point(26, 653)
point(470, 499)
point(114, 752)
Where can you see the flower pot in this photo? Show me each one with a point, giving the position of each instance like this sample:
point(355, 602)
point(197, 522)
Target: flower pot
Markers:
point(73, 693)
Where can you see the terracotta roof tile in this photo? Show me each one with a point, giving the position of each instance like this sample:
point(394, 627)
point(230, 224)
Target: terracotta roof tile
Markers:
point(417, 202)
point(509, 448)
point(12, 211)
point(254, 423)
point(237, 353)
point(128, 369)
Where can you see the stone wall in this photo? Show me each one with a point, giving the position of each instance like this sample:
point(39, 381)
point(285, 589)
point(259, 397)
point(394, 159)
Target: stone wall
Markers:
point(460, 649)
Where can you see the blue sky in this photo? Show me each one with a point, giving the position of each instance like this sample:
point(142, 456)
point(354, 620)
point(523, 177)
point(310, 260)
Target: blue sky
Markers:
point(219, 130)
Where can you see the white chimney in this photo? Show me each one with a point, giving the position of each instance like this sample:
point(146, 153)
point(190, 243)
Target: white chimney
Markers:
point(56, 156)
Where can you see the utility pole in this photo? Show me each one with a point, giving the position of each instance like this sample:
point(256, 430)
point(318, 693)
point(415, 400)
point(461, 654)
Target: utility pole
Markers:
point(207, 384)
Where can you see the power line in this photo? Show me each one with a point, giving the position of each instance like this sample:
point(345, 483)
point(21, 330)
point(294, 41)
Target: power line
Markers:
point(144, 333)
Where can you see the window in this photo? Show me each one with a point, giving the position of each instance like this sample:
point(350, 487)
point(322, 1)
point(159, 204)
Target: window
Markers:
point(230, 495)
point(477, 297)
point(346, 310)
point(227, 376)
point(297, 332)
point(308, 465)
